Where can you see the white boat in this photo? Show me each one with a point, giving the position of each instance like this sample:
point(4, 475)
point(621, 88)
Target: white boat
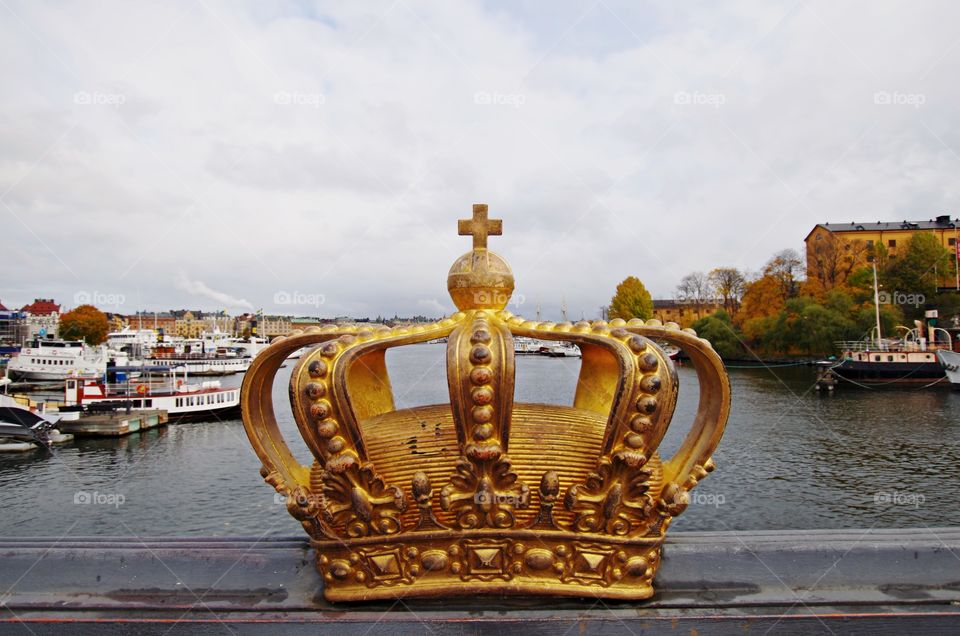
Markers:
point(135, 342)
point(562, 350)
point(950, 361)
point(526, 346)
point(165, 389)
point(243, 347)
point(44, 359)
point(193, 357)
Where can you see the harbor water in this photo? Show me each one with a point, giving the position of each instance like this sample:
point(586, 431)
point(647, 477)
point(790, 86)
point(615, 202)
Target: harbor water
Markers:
point(791, 459)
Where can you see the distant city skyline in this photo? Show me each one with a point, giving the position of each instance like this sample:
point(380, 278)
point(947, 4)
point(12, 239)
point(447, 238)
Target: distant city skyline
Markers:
point(313, 159)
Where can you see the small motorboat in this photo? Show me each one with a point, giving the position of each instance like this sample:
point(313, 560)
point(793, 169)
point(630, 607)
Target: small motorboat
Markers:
point(19, 425)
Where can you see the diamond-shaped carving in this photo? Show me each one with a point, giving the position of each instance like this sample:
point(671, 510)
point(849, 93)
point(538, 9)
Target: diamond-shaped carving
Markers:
point(385, 565)
point(590, 564)
point(487, 559)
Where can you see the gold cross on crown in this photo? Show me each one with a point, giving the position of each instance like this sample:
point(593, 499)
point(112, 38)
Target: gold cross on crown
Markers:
point(480, 226)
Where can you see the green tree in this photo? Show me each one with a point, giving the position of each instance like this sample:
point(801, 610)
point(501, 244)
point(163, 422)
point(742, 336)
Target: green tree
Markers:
point(87, 323)
point(916, 270)
point(811, 328)
point(632, 300)
point(720, 331)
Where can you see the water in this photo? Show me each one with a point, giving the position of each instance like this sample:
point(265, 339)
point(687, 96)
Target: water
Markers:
point(790, 459)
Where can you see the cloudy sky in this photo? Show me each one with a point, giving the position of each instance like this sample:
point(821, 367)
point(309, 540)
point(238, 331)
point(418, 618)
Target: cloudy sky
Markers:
point(313, 157)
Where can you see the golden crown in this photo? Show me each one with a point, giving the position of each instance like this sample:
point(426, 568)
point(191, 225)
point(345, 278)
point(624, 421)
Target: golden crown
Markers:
point(492, 496)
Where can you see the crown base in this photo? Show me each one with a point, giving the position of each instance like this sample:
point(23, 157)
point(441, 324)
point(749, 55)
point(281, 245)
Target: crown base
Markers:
point(531, 562)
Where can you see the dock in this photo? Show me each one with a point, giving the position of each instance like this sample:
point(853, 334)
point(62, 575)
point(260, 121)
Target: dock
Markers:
point(114, 424)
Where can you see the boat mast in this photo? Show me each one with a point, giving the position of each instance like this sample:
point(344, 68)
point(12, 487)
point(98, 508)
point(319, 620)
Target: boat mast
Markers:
point(876, 298)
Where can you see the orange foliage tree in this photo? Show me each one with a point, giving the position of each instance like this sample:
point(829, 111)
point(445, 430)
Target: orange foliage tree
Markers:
point(87, 323)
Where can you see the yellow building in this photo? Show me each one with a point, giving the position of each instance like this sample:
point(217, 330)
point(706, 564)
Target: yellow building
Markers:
point(189, 326)
point(835, 250)
point(683, 312)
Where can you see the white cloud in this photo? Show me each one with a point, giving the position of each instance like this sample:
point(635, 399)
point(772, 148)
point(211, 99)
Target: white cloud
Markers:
point(200, 289)
point(583, 148)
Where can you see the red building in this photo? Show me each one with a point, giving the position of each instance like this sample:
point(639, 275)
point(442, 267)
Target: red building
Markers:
point(41, 307)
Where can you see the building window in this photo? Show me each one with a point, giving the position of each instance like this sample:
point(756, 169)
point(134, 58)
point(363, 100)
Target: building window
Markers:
point(952, 242)
point(870, 243)
point(892, 242)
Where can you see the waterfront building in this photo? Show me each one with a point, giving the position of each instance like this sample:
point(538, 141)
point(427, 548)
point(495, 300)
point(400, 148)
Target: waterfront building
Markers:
point(157, 321)
point(41, 318)
point(189, 326)
point(684, 312)
point(12, 327)
point(267, 326)
point(835, 250)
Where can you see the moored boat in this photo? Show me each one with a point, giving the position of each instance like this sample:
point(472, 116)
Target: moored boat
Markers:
point(950, 360)
point(24, 428)
point(151, 389)
point(910, 359)
point(196, 361)
point(561, 350)
point(523, 346)
point(49, 359)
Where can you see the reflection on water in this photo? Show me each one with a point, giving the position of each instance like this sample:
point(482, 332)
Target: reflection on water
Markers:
point(790, 459)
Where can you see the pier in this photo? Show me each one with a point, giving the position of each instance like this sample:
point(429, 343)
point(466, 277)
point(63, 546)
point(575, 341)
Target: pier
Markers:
point(113, 424)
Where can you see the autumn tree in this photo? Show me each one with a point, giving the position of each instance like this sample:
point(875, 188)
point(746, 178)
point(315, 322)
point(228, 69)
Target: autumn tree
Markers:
point(87, 323)
point(632, 300)
point(729, 284)
point(786, 268)
point(695, 289)
point(762, 297)
point(832, 260)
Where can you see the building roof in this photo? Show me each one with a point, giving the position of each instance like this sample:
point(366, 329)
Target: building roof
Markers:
point(2, 308)
point(940, 223)
point(42, 307)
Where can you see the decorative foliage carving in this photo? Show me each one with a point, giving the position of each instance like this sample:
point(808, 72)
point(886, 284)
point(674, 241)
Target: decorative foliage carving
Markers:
point(613, 498)
point(484, 494)
point(357, 499)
